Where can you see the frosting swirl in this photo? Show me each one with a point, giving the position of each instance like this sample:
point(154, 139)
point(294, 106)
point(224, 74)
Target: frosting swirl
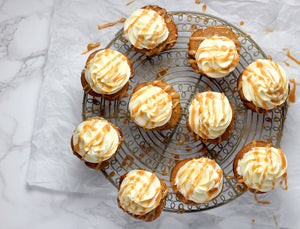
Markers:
point(265, 83)
point(210, 114)
point(150, 107)
point(96, 140)
point(262, 168)
point(140, 192)
point(200, 180)
point(107, 72)
point(145, 28)
point(217, 56)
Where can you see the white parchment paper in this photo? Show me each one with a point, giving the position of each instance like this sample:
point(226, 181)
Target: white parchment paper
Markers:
point(274, 25)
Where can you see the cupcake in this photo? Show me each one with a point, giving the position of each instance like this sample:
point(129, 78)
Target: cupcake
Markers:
point(142, 194)
point(197, 181)
point(150, 30)
point(211, 117)
point(154, 106)
point(260, 167)
point(263, 86)
point(96, 141)
point(214, 51)
point(106, 74)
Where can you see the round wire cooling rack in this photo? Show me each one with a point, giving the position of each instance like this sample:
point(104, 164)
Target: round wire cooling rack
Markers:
point(158, 151)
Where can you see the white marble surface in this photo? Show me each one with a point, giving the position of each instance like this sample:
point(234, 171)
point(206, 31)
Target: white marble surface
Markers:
point(24, 40)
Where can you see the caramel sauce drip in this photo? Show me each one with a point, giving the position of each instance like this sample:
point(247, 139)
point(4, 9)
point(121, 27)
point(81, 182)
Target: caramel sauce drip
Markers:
point(240, 188)
point(204, 8)
point(180, 209)
point(229, 177)
point(241, 22)
point(91, 46)
point(292, 94)
point(128, 158)
point(285, 182)
point(260, 202)
point(111, 175)
point(287, 63)
point(129, 3)
point(253, 220)
point(291, 57)
point(268, 30)
point(87, 112)
point(171, 157)
point(275, 220)
point(197, 2)
point(193, 28)
point(146, 152)
point(122, 20)
point(163, 72)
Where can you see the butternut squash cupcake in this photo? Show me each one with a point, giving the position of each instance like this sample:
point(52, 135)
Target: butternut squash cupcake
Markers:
point(197, 181)
point(263, 86)
point(142, 194)
point(96, 141)
point(214, 51)
point(150, 30)
point(106, 74)
point(155, 106)
point(211, 117)
point(260, 167)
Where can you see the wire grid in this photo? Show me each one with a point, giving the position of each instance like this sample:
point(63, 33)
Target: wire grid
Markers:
point(158, 151)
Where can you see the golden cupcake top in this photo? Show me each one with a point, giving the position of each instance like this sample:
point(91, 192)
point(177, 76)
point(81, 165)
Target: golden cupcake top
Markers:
point(217, 56)
point(107, 72)
point(265, 83)
point(200, 180)
point(150, 106)
point(210, 114)
point(96, 140)
point(145, 28)
point(140, 192)
point(262, 168)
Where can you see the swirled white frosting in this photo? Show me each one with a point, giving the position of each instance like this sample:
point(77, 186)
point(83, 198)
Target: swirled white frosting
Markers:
point(200, 180)
point(96, 140)
point(107, 72)
point(265, 83)
point(210, 114)
point(262, 168)
point(145, 28)
point(150, 107)
point(140, 192)
point(217, 56)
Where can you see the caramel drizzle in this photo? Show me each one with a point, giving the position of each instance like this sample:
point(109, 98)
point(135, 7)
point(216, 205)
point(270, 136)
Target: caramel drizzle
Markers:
point(128, 158)
point(171, 157)
point(113, 65)
point(275, 220)
point(291, 57)
point(122, 20)
point(258, 201)
point(202, 127)
point(153, 103)
point(292, 94)
point(287, 63)
point(131, 185)
point(91, 46)
point(197, 2)
point(129, 3)
point(110, 175)
point(204, 8)
point(241, 22)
